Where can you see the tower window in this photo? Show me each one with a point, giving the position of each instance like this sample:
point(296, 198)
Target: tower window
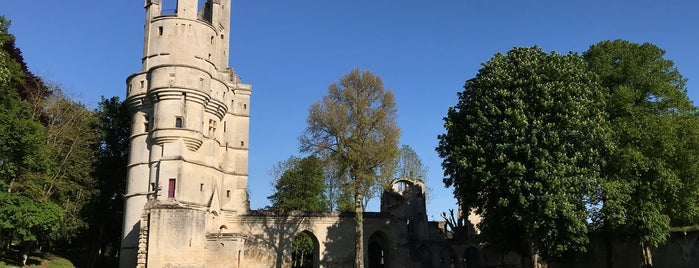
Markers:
point(245, 106)
point(160, 30)
point(171, 188)
point(212, 127)
point(146, 125)
point(228, 193)
point(178, 122)
point(212, 40)
point(201, 187)
point(143, 83)
point(242, 144)
point(224, 126)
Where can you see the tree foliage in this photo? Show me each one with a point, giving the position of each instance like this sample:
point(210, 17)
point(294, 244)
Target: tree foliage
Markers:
point(110, 174)
point(301, 186)
point(653, 175)
point(410, 165)
point(523, 148)
point(47, 152)
point(355, 126)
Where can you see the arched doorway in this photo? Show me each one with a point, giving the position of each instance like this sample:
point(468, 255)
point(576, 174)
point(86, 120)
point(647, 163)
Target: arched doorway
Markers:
point(424, 256)
point(305, 251)
point(378, 251)
point(472, 257)
point(447, 258)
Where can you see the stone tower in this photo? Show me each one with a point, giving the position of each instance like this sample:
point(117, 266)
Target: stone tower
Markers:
point(189, 132)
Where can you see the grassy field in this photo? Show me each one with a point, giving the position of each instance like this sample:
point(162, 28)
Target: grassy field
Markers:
point(42, 261)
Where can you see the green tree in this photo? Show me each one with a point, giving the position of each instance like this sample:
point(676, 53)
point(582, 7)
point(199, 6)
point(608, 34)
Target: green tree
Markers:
point(652, 174)
point(301, 186)
point(47, 141)
point(355, 126)
point(72, 141)
point(523, 148)
point(110, 172)
point(21, 137)
point(410, 165)
point(21, 161)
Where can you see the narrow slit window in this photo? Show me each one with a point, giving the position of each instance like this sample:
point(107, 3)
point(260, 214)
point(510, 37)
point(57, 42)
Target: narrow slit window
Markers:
point(160, 30)
point(228, 193)
point(178, 122)
point(245, 106)
point(242, 144)
point(201, 187)
point(172, 183)
point(143, 83)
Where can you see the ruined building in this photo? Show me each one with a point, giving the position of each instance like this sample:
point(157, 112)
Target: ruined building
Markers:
point(186, 202)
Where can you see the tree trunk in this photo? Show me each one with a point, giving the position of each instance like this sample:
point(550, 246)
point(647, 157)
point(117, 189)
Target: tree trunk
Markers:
point(359, 230)
point(647, 256)
point(608, 244)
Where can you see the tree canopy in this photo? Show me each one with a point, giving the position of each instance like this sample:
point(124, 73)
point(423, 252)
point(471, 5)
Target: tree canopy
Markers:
point(523, 148)
point(301, 186)
point(652, 178)
point(355, 126)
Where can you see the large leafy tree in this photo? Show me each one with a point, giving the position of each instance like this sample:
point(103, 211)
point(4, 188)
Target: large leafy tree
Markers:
point(653, 175)
point(47, 143)
point(110, 173)
point(301, 186)
point(523, 147)
point(355, 126)
point(23, 216)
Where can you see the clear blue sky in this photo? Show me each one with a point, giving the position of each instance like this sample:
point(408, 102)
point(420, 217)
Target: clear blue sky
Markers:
point(291, 50)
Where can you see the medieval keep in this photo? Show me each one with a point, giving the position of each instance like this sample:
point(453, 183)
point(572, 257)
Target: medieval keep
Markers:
point(186, 202)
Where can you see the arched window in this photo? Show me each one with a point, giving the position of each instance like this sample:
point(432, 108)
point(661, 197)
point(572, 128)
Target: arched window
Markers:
point(305, 251)
point(378, 249)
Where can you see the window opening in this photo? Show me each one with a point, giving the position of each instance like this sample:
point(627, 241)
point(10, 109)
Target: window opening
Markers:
point(245, 106)
point(168, 7)
point(212, 127)
point(143, 83)
point(242, 144)
point(204, 10)
point(224, 126)
point(178, 122)
point(201, 187)
point(160, 30)
point(228, 193)
point(146, 125)
point(171, 188)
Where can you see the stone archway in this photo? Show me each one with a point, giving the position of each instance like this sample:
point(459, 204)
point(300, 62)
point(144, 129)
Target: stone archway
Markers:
point(472, 257)
point(378, 251)
point(305, 251)
point(447, 258)
point(424, 256)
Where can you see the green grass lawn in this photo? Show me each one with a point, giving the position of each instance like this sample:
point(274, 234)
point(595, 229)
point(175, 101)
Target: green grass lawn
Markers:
point(42, 261)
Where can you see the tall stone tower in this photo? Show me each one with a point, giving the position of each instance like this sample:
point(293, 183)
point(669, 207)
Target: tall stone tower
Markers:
point(189, 132)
